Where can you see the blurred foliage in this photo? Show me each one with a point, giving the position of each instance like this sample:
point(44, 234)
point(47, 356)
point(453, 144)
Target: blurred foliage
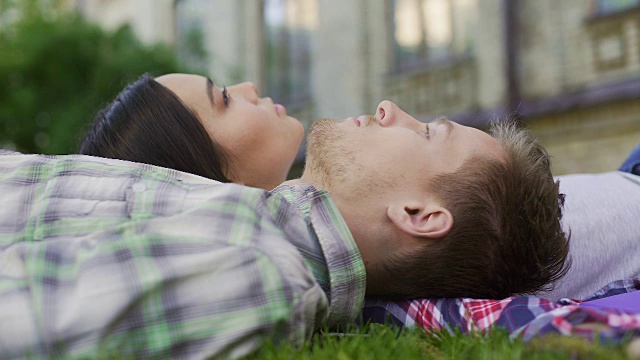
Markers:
point(57, 70)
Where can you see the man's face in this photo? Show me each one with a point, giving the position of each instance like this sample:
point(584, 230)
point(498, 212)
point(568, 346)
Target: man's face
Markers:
point(390, 150)
point(375, 163)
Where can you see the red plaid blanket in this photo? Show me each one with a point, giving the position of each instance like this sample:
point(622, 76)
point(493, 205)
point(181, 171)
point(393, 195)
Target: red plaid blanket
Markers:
point(525, 316)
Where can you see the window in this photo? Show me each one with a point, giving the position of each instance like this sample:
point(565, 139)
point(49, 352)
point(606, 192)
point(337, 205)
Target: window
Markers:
point(288, 28)
point(427, 31)
point(613, 6)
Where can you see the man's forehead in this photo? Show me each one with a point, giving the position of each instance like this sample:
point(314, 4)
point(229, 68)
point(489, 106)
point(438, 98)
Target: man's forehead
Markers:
point(496, 149)
point(481, 143)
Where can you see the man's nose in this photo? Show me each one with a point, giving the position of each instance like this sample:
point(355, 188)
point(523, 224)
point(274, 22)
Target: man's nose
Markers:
point(390, 114)
point(247, 89)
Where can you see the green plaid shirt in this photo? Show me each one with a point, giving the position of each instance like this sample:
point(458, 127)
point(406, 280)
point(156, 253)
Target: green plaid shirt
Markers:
point(106, 257)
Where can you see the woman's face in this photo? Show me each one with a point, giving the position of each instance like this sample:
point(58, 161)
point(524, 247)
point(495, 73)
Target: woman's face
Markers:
point(261, 139)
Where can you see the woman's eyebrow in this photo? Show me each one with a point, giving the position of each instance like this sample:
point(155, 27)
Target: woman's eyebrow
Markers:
point(210, 91)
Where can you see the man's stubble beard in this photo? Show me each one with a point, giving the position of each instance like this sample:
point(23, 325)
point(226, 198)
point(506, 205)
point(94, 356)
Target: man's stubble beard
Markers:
point(329, 161)
point(332, 163)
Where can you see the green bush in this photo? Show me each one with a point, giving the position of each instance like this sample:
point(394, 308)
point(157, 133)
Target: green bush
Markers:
point(57, 70)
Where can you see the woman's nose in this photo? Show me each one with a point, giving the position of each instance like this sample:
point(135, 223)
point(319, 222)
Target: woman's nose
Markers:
point(247, 89)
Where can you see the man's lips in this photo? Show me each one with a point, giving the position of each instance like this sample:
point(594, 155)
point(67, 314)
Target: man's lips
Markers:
point(280, 110)
point(362, 120)
point(356, 120)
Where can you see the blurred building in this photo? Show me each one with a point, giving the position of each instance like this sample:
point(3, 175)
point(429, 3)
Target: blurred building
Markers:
point(152, 20)
point(570, 68)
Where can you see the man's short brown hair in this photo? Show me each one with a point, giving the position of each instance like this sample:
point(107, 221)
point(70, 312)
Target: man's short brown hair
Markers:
point(506, 239)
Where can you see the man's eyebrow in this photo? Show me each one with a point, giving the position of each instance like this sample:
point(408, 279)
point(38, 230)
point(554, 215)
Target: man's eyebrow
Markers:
point(446, 122)
point(210, 91)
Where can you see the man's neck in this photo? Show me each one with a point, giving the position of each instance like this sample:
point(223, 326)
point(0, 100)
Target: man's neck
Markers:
point(293, 182)
point(305, 179)
point(374, 284)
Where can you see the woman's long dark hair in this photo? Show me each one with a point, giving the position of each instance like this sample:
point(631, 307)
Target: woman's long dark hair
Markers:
point(148, 123)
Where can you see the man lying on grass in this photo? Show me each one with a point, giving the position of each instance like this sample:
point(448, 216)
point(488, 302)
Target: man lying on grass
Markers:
point(602, 212)
point(100, 255)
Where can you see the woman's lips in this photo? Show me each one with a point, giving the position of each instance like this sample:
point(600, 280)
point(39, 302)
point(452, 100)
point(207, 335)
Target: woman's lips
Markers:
point(280, 110)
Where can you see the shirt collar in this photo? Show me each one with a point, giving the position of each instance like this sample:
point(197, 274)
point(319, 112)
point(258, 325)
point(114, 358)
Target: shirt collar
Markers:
point(344, 264)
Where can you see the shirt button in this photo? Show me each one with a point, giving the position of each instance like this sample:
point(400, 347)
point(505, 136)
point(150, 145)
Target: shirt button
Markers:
point(139, 187)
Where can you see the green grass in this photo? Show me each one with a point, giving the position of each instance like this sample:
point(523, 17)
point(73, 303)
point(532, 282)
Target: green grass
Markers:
point(385, 342)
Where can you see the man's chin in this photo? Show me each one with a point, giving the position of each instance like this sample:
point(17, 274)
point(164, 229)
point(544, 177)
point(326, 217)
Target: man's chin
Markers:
point(323, 149)
point(321, 126)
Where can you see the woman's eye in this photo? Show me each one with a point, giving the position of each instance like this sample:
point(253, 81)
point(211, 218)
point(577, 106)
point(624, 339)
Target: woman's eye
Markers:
point(426, 130)
point(225, 97)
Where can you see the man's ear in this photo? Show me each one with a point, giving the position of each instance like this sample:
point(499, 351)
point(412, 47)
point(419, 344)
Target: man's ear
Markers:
point(417, 219)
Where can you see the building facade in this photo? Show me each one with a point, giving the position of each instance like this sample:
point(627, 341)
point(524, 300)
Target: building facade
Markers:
point(152, 20)
point(570, 69)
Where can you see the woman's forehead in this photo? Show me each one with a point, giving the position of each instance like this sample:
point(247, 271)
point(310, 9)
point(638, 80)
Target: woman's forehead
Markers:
point(191, 89)
point(183, 83)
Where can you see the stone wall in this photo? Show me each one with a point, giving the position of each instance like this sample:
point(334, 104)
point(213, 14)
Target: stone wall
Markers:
point(152, 20)
point(590, 140)
point(566, 48)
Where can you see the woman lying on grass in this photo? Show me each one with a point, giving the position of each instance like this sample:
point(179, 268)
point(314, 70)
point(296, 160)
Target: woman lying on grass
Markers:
point(187, 123)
